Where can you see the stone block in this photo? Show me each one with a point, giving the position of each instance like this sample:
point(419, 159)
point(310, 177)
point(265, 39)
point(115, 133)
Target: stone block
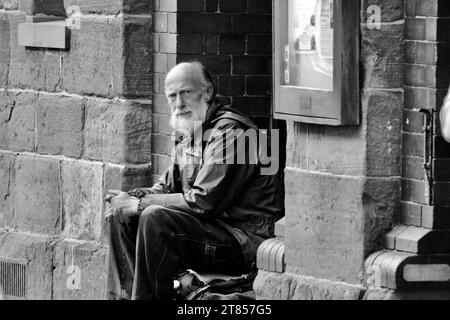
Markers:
point(36, 252)
point(7, 166)
point(384, 132)
point(118, 131)
point(110, 7)
point(391, 11)
point(137, 69)
point(127, 177)
point(338, 150)
point(80, 271)
point(320, 207)
point(383, 63)
point(17, 127)
point(286, 286)
point(37, 195)
point(280, 228)
point(296, 146)
point(82, 189)
point(94, 61)
point(5, 55)
point(109, 56)
point(423, 241)
point(411, 214)
point(32, 68)
point(391, 236)
point(60, 122)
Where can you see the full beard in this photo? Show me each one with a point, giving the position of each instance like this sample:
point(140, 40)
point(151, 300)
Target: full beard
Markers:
point(186, 124)
point(182, 124)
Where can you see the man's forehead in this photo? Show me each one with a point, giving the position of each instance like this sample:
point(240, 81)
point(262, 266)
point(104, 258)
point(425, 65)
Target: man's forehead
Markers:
point(184, 75)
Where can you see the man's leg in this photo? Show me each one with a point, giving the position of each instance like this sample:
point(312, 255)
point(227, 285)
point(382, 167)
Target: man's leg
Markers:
point(170, 241)
point(122, 244)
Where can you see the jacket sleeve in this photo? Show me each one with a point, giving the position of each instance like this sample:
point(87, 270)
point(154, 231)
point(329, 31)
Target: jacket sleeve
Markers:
point(219, 174)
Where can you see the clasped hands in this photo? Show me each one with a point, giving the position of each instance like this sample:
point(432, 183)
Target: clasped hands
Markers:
point(120, 204)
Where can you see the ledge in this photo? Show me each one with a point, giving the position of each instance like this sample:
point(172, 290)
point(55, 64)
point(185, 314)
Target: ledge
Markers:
point(406, 271)
point(270, 256)
point(418, 240)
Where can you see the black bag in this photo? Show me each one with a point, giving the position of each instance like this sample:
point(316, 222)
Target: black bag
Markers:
point(190, 287)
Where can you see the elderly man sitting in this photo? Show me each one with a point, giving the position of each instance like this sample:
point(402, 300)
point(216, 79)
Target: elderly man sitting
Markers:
point(208, 212)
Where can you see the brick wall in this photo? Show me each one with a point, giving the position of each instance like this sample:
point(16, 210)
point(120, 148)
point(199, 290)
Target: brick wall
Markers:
point(426, 201)
point(232, 38)
point(73, 124)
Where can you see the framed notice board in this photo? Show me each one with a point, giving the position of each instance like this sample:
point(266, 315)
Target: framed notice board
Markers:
point(316, 61)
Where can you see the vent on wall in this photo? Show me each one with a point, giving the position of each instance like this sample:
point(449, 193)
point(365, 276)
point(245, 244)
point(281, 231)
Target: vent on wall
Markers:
point(13, 279)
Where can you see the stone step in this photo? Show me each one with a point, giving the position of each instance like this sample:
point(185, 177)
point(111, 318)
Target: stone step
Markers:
point(418, 240)
point(397, 270)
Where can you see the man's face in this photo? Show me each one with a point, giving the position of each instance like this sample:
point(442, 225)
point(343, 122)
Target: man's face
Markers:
point(187, 100)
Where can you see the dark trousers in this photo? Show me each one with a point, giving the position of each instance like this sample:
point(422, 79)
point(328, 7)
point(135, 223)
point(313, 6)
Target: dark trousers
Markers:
point(146, 252)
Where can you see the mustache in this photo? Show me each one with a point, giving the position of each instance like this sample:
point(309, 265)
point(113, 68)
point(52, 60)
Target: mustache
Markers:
point(178, 113)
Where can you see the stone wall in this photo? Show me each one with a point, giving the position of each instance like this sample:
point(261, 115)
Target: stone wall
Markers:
point(343, 183)
point(73, 124)
point(76, 123)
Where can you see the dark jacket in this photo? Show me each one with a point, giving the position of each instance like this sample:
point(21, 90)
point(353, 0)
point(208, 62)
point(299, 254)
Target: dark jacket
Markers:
point(212, 187)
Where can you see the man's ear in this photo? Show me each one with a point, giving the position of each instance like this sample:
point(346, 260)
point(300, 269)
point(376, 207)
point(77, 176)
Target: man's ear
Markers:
point(208, 93)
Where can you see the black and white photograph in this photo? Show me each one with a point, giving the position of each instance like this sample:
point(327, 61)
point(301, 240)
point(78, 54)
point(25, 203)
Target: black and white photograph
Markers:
point(224, 158)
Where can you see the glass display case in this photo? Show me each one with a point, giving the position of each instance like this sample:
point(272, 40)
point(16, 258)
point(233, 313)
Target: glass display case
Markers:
point(316, 67)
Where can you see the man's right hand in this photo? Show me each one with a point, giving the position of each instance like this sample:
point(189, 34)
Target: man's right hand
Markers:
point(120, 204)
